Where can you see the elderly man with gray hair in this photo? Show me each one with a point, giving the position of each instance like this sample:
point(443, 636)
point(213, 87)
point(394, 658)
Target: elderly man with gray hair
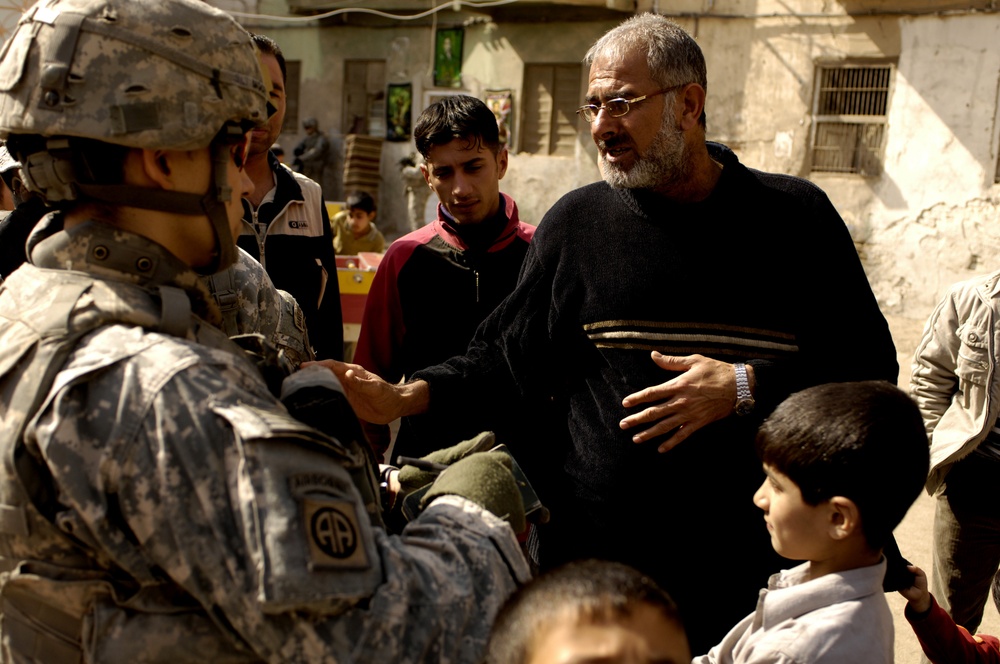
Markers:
point(667, 309)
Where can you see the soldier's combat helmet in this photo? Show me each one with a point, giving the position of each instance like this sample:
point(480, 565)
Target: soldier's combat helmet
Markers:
point(158, 74)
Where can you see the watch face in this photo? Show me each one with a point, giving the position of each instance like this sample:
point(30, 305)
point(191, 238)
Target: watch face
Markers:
point(744, 406)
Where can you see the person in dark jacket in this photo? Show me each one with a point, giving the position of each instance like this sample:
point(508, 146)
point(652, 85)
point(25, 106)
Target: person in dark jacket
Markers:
point(436, 284)
point(285, 223)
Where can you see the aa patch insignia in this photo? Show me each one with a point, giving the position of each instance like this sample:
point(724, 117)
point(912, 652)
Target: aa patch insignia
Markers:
point(334, 534)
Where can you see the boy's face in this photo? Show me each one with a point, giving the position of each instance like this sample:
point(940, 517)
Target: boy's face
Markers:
point(798, 530)
point(645, 636)
point(360, 220)
point(466, 179)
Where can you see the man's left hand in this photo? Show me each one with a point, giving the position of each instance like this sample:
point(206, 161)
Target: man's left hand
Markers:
point(704, 392)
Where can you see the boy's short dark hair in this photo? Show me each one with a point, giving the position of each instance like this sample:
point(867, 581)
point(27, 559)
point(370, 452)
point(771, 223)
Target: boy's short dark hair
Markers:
point(361, 200)
point(594, 591)
point(457, 117)
point(268, 46)
point(864, 441)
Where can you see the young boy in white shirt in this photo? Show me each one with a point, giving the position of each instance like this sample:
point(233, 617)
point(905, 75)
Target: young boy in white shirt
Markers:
point(844, 462)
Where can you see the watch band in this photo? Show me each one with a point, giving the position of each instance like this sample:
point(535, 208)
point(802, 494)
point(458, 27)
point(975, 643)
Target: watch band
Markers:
point(744, 397)
point(742, 382)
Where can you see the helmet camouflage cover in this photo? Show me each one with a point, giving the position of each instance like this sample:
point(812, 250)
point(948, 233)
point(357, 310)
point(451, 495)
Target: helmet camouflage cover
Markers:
point(139, 73)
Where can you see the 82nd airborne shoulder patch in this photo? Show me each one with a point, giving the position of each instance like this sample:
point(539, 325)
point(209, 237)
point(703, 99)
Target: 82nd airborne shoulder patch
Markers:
point(334, 534)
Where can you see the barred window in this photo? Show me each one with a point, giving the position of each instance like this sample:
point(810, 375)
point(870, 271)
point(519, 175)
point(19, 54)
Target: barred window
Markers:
point(551, 97)
point(849, 118)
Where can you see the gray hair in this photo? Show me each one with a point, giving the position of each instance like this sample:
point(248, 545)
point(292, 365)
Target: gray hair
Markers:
point(673, 56)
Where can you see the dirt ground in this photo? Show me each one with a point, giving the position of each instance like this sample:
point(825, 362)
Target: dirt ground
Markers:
point(914, 534)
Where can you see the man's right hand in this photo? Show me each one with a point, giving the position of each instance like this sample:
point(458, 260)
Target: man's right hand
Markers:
point(373, 399)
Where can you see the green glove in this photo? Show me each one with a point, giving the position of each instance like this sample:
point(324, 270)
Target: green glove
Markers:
point(412, 478)
point(486, 480)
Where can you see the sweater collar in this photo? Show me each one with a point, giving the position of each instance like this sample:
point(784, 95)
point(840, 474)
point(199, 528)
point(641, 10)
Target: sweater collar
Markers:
point(649, 204)
point(494, 235)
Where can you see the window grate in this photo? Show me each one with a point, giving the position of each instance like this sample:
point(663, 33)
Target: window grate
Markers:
point(853, 91)
point(849, 118)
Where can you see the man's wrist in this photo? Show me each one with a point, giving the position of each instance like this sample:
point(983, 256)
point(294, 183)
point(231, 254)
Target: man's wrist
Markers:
point(414, 398)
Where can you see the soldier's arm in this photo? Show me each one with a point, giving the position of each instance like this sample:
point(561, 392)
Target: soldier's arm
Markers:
point(255, 517)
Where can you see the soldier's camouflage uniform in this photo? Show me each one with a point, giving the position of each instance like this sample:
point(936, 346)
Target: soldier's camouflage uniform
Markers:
point(178, 514)
point(157, 503)
point(250, 303)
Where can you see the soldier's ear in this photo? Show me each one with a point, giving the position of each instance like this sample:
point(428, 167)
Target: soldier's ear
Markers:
point(168, 169)
point(156, 167)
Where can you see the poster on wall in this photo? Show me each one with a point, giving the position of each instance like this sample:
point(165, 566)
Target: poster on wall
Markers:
point(398, 111)
point(501, 102)
point(448, 58)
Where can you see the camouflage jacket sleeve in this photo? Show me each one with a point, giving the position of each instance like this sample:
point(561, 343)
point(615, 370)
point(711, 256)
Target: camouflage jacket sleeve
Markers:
point(178, 462)
point(250, 303)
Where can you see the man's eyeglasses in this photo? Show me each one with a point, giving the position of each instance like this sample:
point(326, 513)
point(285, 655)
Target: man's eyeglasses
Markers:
point(618, 107)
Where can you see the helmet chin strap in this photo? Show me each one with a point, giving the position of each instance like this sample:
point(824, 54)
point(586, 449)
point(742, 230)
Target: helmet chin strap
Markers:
point(212, 205)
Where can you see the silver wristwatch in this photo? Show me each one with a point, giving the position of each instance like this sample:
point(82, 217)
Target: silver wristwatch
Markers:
point(744, 398)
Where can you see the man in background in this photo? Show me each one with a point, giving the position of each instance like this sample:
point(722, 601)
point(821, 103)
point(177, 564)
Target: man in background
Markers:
point(312, 151)
point(285, 224)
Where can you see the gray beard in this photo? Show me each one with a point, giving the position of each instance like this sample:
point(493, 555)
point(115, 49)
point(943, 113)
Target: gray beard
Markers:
point(664, 164)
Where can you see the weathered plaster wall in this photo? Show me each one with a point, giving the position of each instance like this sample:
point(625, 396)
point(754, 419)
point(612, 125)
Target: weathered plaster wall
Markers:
point(322, 53)
point(931, 217)
point(934, 219)
point(495, 55)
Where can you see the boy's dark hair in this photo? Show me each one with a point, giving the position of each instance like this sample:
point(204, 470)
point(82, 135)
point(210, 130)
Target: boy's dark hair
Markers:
point(268, 46)
point(361, 200)
point(864, 441)
point(594, 591)
point(459, 117)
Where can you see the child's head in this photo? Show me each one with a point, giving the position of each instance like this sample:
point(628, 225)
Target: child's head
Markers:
point(589, 611)
point(361, 210)
point(845, 451)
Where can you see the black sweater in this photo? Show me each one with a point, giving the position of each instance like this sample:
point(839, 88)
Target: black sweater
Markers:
point(763, 270)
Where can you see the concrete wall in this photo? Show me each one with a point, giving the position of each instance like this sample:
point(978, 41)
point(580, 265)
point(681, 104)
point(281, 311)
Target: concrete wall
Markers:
point(929, 219)
point(934, 218)
point(495, 56)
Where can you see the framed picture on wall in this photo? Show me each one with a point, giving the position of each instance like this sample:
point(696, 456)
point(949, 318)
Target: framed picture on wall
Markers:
point(398, 111)
point(501, 102)
point(448, 57)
